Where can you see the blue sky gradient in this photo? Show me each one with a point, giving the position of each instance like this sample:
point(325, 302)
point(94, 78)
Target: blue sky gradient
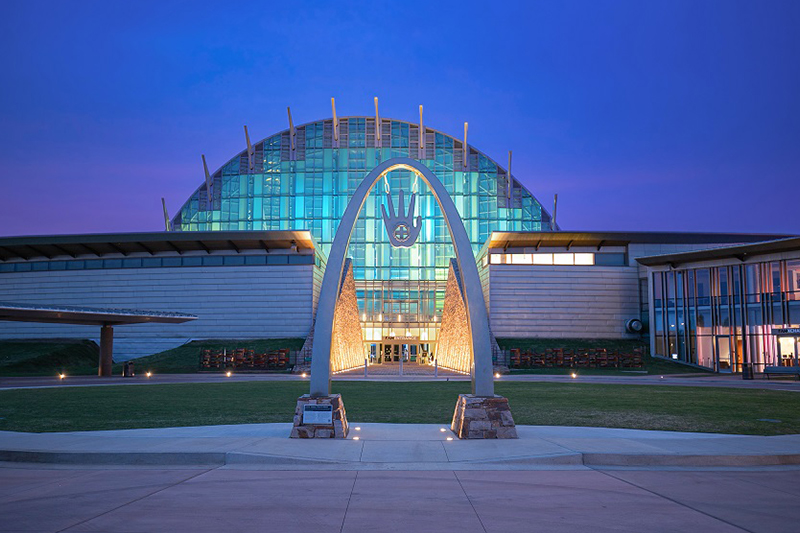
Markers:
point(675, 115)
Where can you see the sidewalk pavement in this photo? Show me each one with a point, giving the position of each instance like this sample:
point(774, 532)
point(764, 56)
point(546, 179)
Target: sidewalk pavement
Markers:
point(400, 446)
point(403, 478)
point(681, 380)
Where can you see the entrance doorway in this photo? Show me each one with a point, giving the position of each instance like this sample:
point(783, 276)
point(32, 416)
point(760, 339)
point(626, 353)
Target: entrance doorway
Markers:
point(724, 354)
point(788, 348)
point(394, 350)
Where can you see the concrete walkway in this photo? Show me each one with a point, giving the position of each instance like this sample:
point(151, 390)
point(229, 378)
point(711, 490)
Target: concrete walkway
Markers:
point(399, 446)
point(681, 380)
point(406, 478)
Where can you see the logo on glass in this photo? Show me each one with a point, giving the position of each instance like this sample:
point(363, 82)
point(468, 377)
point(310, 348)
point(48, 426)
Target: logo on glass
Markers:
point(403, 230)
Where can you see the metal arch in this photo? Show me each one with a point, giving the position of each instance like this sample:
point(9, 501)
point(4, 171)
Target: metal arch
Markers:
point(483, 384)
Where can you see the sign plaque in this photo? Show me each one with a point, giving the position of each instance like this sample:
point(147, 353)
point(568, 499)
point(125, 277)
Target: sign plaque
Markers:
point(788, 332)
point(318, 414)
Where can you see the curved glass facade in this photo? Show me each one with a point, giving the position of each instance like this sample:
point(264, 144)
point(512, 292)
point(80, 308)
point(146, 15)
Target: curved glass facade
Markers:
point(305, 182)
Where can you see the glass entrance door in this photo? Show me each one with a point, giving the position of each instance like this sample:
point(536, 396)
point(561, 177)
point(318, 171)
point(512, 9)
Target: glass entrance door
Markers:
point(787, 351)
point(724, 354)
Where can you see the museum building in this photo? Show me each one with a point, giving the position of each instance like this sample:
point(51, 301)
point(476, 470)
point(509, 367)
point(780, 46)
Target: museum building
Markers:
point(247, 251)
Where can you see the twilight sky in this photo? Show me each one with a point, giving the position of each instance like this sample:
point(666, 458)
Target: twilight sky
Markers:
point(674, 115)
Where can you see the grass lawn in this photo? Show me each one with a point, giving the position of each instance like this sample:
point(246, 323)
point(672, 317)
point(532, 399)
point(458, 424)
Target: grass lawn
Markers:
point(562, 404)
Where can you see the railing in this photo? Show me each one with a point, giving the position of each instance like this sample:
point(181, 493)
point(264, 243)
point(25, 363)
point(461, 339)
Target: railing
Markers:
point(566, 358)
point(244, 359)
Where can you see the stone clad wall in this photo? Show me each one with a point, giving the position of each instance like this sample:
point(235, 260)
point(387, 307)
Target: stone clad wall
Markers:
point(453, 349)
point(347, 347)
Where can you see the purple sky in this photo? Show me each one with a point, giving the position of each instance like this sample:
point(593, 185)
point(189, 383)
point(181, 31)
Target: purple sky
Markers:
point(641, 115)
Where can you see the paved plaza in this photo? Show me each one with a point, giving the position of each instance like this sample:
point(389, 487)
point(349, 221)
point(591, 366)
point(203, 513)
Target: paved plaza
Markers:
point(388, 477)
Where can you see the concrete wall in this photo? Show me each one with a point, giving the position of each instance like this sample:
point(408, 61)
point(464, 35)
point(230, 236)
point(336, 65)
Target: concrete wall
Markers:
point(268, 301)
point(562, 302)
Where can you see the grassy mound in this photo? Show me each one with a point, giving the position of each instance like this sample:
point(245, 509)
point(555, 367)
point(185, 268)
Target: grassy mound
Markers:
point(652, 365)
point(44, 357)
point(186, 359)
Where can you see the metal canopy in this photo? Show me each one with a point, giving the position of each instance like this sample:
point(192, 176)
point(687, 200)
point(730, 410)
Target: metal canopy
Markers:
point(742, 253)
point(87, 316)
point(100, 245)
point(526, 239)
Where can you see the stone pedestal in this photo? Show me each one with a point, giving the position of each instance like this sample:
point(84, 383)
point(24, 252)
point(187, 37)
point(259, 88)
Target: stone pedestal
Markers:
point(338, 430)
point(482, 417)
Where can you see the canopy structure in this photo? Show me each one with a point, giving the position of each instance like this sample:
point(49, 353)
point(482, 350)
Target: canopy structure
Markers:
point(105, 318)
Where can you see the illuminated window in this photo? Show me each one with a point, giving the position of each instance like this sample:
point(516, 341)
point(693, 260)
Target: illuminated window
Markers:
point(542, 259)
point(563, 259)
point(584, 259)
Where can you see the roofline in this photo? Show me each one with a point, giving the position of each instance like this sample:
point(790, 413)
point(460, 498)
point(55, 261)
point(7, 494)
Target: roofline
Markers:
point(338, 118)
point(103, 244)
point(740, 252)
point(525, 239)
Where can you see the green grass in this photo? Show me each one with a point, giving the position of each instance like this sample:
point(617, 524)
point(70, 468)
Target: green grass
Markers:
point(722, 410)
point(652, 365)
point(45, 357)
point(185, 359)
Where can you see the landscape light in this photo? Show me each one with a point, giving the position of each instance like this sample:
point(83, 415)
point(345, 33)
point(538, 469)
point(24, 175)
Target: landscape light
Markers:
point(442, 430)
point(303, 375)
point(148, 374)
point(355, 438)
point(62, 376)
point(358, 428)
point(497, 375)
point(449, 438)
point(229, 373)
point(574, 375)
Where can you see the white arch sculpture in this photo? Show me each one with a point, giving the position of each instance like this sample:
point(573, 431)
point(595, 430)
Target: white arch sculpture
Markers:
point(483, 382)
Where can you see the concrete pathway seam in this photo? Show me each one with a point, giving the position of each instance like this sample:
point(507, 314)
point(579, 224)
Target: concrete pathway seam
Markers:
point(347, 507)
point(135, 500)
point(470, 502)
point(673, 500)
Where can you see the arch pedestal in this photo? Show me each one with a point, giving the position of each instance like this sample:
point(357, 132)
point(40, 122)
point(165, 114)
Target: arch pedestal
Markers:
point(480, 345)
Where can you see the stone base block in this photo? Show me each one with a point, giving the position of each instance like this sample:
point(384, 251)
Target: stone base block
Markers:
point(482, 417)
point(338, 430)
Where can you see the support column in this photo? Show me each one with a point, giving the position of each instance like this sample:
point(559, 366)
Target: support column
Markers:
point(106, 350)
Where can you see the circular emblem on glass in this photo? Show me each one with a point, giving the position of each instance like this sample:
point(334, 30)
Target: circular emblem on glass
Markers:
point(401, 233)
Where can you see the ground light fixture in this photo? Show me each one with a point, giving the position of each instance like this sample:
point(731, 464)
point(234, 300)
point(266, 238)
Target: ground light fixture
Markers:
point(229, 373)
point(574, 375)
point(148, 374)
point(449, 438)
point(62, 376)
point(497, 375)
point(442, 430)
point(356, 438)
point(358, 428)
